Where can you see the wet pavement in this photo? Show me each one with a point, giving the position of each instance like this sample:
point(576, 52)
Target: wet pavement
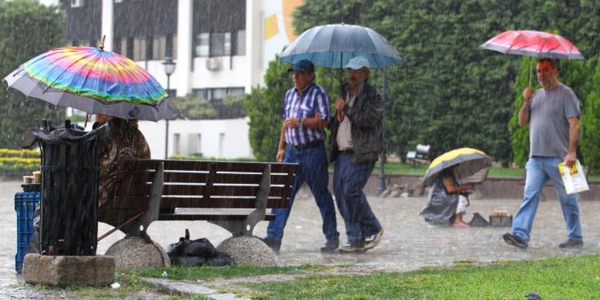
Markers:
point(407, 244)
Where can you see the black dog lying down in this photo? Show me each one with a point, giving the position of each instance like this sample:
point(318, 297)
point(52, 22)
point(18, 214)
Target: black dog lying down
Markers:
point(198, 252)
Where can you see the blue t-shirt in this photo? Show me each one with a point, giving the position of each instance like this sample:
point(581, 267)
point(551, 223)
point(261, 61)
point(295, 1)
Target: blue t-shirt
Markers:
point(549, 112)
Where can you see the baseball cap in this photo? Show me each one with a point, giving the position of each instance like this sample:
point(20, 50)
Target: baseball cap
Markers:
point(303, 65)
point(358, 63)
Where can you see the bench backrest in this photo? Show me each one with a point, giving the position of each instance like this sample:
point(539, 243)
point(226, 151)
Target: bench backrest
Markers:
point(477, 178)
point(206, 184)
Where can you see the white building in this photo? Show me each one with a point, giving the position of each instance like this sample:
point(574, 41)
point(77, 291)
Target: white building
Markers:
point(221, 47)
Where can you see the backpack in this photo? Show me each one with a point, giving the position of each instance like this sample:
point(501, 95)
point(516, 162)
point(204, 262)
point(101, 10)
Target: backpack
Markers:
point(198, 252)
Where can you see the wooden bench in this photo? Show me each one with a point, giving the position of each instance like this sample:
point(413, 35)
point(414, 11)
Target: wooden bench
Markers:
point(233, 195)
point(477, 178)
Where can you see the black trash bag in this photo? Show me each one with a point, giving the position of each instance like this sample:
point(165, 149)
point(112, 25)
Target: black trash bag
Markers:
point(478, 221)
point(198, 252)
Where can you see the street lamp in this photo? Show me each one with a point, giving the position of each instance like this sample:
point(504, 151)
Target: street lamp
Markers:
point(169, 66)
point(381, 183)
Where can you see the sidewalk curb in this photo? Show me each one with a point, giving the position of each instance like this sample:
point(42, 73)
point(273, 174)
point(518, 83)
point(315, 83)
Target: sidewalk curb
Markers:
point(189, 289)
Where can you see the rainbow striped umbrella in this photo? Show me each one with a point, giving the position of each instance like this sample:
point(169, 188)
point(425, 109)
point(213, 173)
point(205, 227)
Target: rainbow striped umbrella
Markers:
point(93, 80)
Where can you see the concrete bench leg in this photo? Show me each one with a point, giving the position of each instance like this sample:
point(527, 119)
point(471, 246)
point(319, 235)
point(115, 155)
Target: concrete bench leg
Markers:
point(248, 250)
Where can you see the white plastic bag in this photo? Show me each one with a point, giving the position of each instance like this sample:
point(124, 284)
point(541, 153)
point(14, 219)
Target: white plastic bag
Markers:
point(573, 178)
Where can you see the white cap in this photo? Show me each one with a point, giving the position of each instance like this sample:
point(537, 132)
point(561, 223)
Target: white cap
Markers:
point(358, 63)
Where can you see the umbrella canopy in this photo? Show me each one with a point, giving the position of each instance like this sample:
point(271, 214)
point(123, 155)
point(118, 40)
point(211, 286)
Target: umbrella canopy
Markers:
point(333, 45)
point(95, 81)
point(533, 43)
point(470, 161)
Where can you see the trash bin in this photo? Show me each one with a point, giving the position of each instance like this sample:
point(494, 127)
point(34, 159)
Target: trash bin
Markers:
point(70, 170)
point(25, 205)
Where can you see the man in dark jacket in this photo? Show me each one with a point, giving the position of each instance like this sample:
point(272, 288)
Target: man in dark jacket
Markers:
point(356, 141)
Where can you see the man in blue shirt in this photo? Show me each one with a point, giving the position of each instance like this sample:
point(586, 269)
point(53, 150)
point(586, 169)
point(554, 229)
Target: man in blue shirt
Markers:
point(305, 115)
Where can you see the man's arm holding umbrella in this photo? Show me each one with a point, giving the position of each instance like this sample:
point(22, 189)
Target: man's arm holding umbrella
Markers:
point(524, 111)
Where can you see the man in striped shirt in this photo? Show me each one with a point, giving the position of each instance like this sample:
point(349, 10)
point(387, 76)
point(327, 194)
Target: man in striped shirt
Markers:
point(305, 115)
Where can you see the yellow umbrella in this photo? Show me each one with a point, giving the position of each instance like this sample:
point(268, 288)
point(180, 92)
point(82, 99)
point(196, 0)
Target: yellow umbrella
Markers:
point(470, 161)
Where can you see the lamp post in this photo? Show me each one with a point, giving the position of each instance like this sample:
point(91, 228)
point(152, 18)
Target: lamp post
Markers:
point(381, 183)
point(169, 66)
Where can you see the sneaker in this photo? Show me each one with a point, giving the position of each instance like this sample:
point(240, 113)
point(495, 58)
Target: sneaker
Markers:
point(273, 244)
point(571, 243)
point(330, 246)
point(514, 240)
point(350, 248)
point(373, 240)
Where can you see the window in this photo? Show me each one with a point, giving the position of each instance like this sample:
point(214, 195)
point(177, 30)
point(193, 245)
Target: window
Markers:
point(177, 142)
point(199, 143)
point(139, 48)
point(217, 44)
point(202, 44)
point(227, 43)
point(122, 47)
point(240, 43)
point(221, 143)
point(220, 44)
point(216, 94)
point(174, 46)
point(76, 3)
point(159, 47)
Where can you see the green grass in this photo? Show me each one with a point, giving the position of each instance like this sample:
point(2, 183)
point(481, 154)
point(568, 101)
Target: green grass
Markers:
point(572, 277)
point(555, 278)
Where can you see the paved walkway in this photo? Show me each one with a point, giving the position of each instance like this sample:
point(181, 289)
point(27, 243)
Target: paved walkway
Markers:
point(407, 244)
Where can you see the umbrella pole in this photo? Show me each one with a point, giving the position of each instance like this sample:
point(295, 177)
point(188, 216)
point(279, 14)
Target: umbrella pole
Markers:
point(530, 69)
point(339, 114)
point(86, 120)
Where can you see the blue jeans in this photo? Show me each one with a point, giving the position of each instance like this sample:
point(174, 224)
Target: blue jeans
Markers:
point(349, 178)
point(312, 169)
point(539, 170)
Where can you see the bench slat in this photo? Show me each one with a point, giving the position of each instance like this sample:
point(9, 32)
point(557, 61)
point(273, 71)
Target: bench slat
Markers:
point(219, 190)
point(224, 215)
point(199, 202)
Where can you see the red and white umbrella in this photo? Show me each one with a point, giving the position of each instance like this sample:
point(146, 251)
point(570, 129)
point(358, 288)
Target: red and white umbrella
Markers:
point(533, 43)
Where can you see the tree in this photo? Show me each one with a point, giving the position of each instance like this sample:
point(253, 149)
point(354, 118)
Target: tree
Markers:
point(520, 135)
point(590, 125)
point(265, 105)
point(27, 29)
point(451, 93)
point(192, 108)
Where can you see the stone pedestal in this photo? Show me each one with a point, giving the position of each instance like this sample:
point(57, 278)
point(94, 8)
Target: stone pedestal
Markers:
point(65, 270)
point(137, 253)
point(246, 250)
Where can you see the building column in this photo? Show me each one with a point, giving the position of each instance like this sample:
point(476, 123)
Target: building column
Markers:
point(254, 43)
point(182, 78)
point(107, 24)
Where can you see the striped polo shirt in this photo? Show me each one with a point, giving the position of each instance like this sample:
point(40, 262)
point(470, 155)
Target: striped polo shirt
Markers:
point(312, 99)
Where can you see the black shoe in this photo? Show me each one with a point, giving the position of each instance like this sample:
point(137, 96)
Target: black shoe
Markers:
point(514, 240)
point(571, 243)
point(273, 244)
point(330, 246)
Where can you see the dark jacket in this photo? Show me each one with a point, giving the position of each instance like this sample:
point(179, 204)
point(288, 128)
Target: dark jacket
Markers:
point(366, 117)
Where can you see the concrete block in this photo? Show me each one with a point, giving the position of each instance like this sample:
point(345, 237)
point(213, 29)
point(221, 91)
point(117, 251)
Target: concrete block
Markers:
point(138, 253)
point(64, 270)
point(248, 250)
